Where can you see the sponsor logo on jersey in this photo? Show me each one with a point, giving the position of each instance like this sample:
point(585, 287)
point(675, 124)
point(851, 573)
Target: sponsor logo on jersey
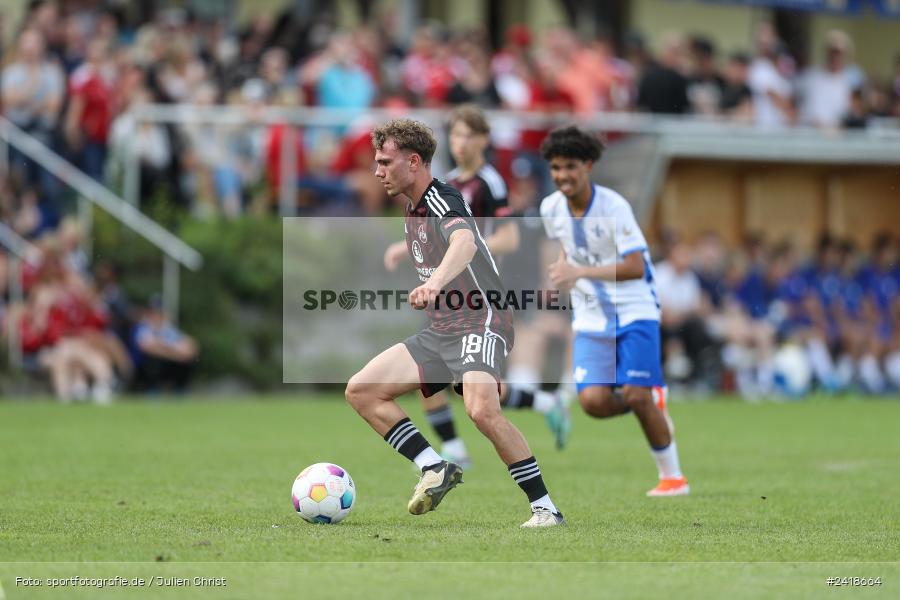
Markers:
point(453, 222)
point(423, 237)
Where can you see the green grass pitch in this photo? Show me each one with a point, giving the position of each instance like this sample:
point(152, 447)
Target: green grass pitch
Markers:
point(783, 496)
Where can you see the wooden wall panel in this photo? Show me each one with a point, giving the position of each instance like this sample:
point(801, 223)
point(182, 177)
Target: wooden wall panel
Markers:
point(796, 202)
point(785, 202)
point(863, 202)
point(698, 197)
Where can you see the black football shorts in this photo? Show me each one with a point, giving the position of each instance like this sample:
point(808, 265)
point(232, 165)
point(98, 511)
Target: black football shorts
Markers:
point(444, 358)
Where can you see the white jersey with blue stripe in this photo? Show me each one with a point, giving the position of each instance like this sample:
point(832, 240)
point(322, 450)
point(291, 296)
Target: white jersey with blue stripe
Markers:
point(605, 234)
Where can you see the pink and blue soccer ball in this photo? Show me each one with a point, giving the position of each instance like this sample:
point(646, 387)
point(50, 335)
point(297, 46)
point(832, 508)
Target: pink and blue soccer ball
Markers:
point(323, 493)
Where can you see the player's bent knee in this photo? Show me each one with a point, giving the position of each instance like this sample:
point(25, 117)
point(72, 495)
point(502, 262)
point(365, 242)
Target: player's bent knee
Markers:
point(596, 401)
point(358, 394)
point(483, 413)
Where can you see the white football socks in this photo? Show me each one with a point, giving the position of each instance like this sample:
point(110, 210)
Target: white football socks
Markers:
point(544, 402)
point(427, 457)
point(821, 361)
point(544, 502)
point(892, 368)
point(523, 376)
point(667, 462)
point(455, 447)
point(870, 373)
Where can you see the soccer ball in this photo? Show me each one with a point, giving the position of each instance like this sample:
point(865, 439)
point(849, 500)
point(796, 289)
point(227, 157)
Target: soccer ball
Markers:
point(323, 493)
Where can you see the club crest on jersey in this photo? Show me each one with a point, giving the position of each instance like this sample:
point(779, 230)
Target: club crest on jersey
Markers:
point(417, 252)
point(423, 237)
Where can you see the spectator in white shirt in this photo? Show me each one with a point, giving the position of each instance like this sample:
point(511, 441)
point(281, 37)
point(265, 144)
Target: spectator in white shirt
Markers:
point(691, 354)
point(772, 91)
point(826, 91)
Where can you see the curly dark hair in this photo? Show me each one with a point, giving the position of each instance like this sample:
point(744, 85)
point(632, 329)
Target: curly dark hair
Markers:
point(572, 142)
point(408, 135)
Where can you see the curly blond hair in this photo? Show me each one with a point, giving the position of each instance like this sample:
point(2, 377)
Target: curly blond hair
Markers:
point(408, 135)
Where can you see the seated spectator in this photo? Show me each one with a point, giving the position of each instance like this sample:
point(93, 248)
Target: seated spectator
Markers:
point(747, 344)
point(824, 283)
point(880, 282)
point(163, 354)
point(690, 353)
point(61, 329)
point(106, 285)
point(858, 347)
point(33, 216)
point(70, 237)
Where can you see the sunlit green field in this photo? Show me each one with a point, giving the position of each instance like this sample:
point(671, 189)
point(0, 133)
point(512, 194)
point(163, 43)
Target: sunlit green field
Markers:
point(201, 488)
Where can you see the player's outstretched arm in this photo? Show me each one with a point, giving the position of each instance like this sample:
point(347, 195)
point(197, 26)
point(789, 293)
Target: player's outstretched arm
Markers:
point(459, 254)
point(505, 240)
point(395, 254)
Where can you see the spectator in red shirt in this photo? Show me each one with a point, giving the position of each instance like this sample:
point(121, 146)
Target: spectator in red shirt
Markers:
point(353, 162)
point(273, 143)
point(91, 105)
point(430, 69)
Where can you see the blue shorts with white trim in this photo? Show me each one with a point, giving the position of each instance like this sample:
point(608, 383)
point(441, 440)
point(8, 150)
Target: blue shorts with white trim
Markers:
point(632, 357)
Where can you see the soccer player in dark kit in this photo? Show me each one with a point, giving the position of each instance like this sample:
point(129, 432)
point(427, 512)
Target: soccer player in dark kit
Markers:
point(484, 192)
point(468, 338)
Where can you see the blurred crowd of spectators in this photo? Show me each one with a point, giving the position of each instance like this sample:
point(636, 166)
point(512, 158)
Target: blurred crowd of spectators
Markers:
point(73, 71)
point(763, 319)
point(76, 326)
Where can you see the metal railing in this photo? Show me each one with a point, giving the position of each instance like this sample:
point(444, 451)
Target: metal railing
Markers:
point(20, 250)
point(175, 251)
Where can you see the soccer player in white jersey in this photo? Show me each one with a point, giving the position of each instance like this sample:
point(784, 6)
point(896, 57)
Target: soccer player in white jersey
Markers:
point(605, 265)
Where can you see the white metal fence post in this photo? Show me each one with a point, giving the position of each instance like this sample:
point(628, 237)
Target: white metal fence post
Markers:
point(171, 287)
point(15, 297)
point(86, 217)
point(4, 158)
point(287, 184)
point(131, 184)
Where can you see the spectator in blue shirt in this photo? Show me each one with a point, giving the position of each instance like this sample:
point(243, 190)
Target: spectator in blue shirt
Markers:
point(163, 354)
